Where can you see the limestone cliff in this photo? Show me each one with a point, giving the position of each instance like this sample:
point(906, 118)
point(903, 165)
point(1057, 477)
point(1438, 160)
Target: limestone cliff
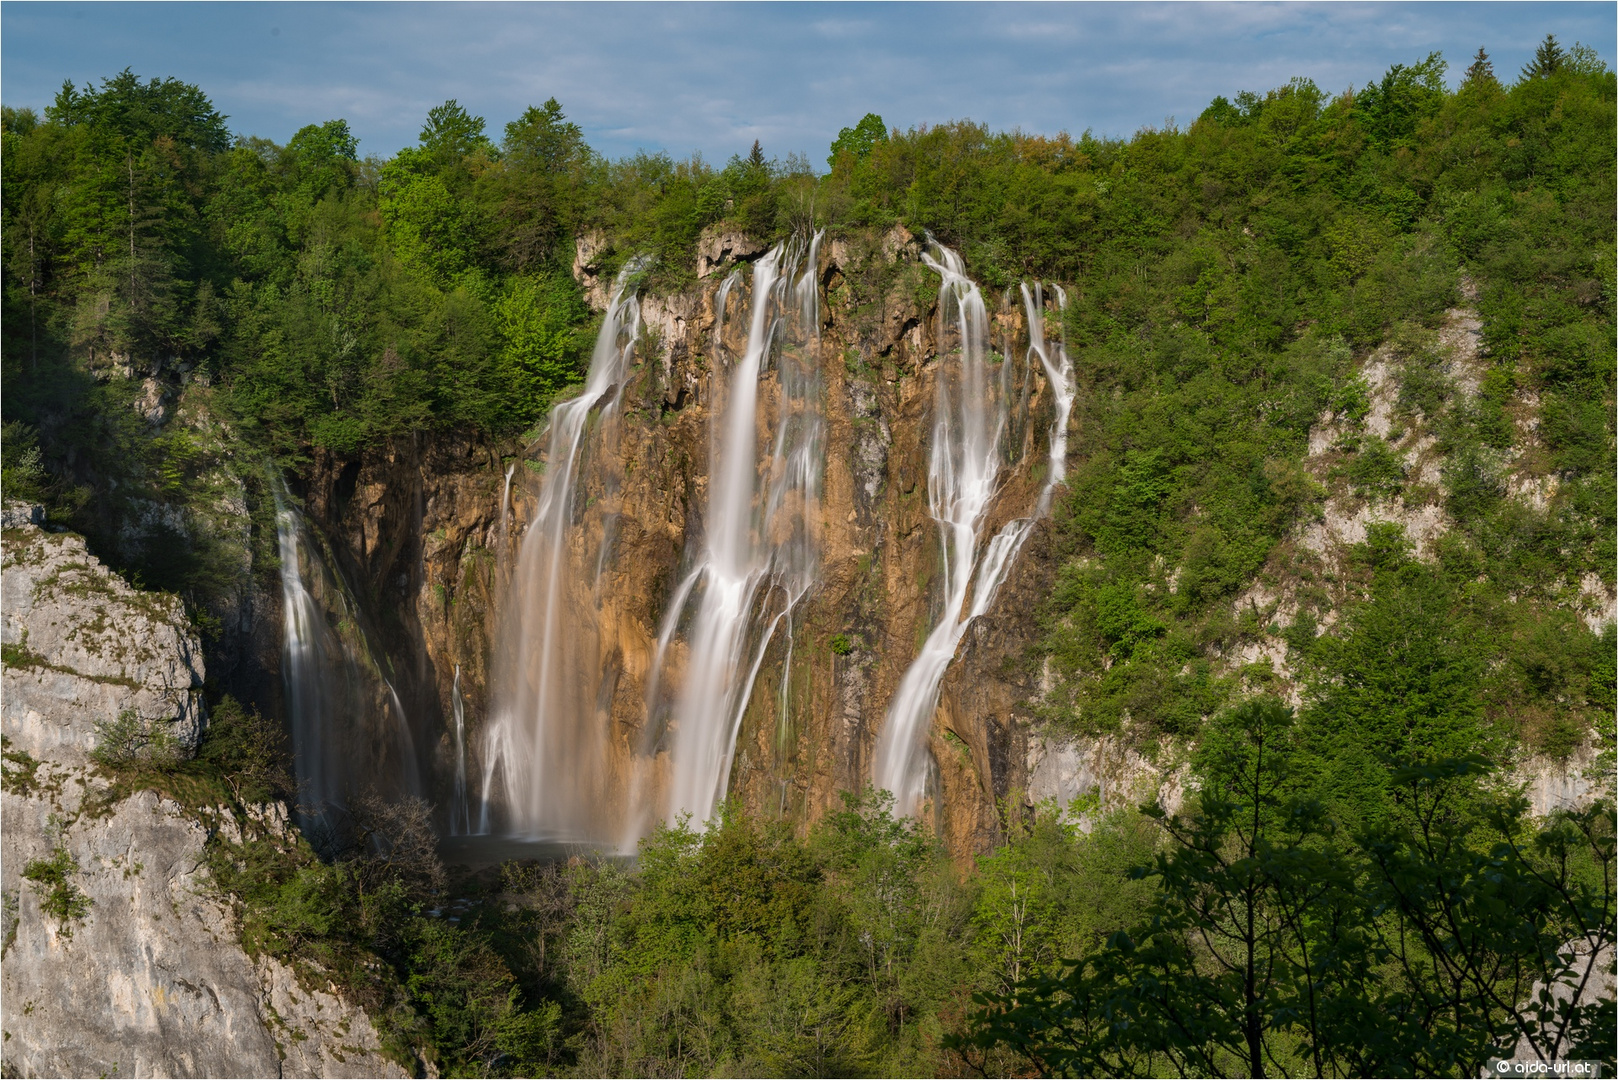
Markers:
point(120, 958)
point(427, 527)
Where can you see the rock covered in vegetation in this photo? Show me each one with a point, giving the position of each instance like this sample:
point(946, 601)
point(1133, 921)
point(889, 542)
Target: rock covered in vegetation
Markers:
point(119, 955)
point(83, 647)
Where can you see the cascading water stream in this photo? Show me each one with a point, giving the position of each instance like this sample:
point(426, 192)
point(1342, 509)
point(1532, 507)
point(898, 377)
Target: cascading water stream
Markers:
point(760, 528)
point(460, 813)
point(544, 751)
point(962, 479)
point(1059, 373)
point(334, 750)
point(505, 504)
point(307, 653)
point(962, 471)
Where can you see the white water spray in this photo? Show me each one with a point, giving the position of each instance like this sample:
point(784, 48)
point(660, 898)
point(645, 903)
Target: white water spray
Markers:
point(327, 702)
point(969, 417)
point(505, 506)
point(460, 814)
point(309, 651)
point(545, 746)
point(1059, 373)
point(760, 531)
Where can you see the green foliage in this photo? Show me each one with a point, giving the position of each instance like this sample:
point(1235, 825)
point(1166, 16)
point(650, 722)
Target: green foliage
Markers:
point(1390, 111)
point(249, 750)
point(22, 473)
point(1548, 59)
point(451, 134)
point(1281, 942)
point(1203, 363)
point(18, 768)
point(1375, 471)
point(131, 739)
point(859, 139)
point(59, 897)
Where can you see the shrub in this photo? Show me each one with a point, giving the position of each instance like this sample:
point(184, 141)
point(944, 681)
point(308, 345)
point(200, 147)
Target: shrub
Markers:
point(133, 740)
point(53, 879)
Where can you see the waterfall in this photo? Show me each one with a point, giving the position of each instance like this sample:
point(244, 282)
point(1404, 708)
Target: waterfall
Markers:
point(759, 530)
point(308, 652)
point(969, 417)
point(333, 681)
point(505, 505)
point(1059, 373)
point(460, 814)
point(545, 747)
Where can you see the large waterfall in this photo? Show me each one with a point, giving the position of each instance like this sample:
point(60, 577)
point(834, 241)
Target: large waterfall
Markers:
point(545, 747)
point(349, 729)
point(566, 752)
point(759, 529)
point(969, 419)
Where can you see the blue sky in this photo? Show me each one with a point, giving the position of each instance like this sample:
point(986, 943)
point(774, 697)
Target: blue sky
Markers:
point(712, 78)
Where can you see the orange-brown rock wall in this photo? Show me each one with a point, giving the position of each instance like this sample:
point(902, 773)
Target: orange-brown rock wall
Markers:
point(417, 524)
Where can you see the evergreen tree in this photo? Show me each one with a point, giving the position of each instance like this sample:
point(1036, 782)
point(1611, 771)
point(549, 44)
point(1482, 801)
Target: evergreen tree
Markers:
point(547, 162)
point(1481, 72)
point(1547, 61)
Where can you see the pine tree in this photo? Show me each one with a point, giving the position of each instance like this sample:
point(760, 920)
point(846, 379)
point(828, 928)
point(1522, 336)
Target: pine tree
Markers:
point(1548, 59)
point(756, 158)
point(1481, 72)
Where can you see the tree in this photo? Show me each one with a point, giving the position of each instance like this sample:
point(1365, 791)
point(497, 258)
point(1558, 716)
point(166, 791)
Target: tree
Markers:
point(1403, 683)
point(1583, 60)
point(1243, 957)
point(1547, 61)
point(1481, 71)
point(859, 139)
point(545, 162)
point(322, 157)
point(156, 109)
point(1390, 110)
point(1281, 944)
point(544, 139)
point(451, 133)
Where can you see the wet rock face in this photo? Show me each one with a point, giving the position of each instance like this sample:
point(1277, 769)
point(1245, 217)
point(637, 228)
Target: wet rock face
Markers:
point(83, 647)
point(116, 955)
point(419, 526)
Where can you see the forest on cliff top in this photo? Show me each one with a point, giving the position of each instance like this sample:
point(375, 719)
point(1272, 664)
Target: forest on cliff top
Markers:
point(1354, 890)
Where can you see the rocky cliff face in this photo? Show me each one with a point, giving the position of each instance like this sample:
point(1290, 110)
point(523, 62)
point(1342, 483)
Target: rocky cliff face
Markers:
point(118, 957)
point(429, 527)
point(82, 646)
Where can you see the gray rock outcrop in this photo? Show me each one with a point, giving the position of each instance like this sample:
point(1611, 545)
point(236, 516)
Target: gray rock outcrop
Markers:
point(119, 957)
point(83, 647)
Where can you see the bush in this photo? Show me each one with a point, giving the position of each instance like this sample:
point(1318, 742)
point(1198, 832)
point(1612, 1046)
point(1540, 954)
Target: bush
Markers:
point(132, 740)
point(249, 750)
point(59, 897)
